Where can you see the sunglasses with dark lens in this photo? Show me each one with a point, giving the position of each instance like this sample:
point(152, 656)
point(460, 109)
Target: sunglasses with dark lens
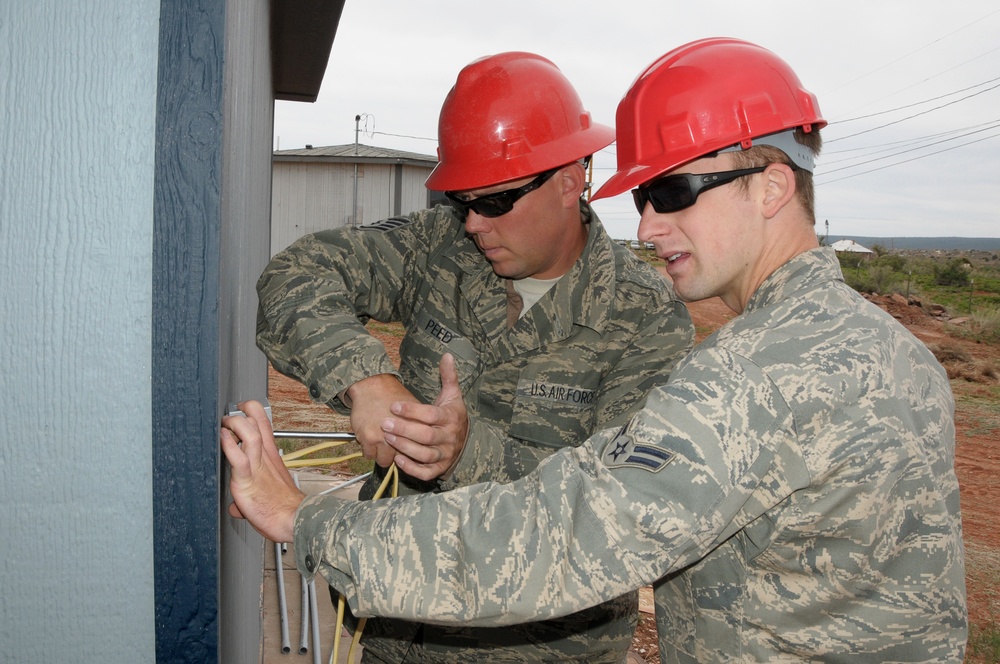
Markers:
point(499, 203)
point(676, 192)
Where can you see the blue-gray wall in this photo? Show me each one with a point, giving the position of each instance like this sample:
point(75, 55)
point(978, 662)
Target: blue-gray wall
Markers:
point(77, 142)
point(135, 172)
point(212, 207)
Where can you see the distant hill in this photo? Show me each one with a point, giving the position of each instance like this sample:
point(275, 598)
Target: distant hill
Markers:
point(925, 243)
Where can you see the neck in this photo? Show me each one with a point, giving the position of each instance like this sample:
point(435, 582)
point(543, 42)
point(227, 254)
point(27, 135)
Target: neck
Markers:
point(784, 242)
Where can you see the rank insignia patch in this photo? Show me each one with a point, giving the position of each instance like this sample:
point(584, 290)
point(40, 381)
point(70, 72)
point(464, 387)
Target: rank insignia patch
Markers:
point(386, 225)
point(623, 451)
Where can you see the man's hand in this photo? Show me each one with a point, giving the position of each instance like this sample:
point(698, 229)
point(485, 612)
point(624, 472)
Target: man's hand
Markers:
point(371, 399)
point(429, 438)
point(263, 491)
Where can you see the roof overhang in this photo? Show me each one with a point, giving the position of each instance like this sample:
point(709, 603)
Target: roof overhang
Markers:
point(302, 33)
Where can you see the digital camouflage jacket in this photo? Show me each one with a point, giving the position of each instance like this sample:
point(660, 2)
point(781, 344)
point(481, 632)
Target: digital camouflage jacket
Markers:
point(581, 359)
point(790, 493)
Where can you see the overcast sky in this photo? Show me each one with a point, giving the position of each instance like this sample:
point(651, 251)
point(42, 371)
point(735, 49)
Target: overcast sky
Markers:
point(911, 90)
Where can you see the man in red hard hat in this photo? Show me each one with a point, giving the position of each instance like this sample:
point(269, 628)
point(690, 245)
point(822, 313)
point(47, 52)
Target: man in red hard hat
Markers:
point(556, 331)
point(790, 492)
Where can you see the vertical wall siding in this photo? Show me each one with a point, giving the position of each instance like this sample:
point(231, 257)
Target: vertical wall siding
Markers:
point(185, 358)
point(78, 93)
point(244, 239)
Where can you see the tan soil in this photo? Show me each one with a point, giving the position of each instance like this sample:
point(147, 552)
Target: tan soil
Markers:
point(973, 367)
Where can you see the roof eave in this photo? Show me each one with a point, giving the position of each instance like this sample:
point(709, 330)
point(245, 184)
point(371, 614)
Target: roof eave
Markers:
point(302, 34)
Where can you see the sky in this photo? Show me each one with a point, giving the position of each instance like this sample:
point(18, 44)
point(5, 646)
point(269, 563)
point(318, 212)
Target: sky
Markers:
point(910, 88)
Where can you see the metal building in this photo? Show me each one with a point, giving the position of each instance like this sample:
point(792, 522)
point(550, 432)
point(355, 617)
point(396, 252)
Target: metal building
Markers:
point(344, 185)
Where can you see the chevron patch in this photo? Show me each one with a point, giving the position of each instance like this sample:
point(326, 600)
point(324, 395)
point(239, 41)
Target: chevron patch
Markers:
point(622, 452)
point(386, 225)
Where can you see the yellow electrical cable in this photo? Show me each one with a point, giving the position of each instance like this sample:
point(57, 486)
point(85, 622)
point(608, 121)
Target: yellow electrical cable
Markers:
point(336, 633)
point(322, 461)
point(315, 448)
point(390, 475)
point(292, 460)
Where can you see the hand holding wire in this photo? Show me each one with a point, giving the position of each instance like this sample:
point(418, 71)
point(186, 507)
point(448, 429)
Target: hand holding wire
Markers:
point(429, 438)
point(371, 399)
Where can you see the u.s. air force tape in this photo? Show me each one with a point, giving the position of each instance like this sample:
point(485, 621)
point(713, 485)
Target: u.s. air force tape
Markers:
point(623, 452)
point(568, 395)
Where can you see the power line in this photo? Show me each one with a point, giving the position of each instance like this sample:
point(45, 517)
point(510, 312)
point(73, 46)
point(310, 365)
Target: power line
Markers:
point(915, 115)
point(883, 147)
point(419, 138)
point(922, 81)
point(896, 154)
point(918, 103)
point(917, 50)
point(906, 161)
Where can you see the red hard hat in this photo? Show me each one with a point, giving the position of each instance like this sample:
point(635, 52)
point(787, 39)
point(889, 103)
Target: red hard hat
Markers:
point(704, 96)
point(509, 116)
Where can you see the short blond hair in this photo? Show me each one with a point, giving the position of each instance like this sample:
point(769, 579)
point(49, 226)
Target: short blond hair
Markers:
point(762, 155)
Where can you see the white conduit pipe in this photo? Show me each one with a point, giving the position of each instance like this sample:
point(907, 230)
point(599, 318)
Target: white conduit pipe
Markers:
point(279, 575)
point(314, 616)
point(349, 482)
point(324, 435)
point(304, 628)
point(282, 608)
point(304, 625)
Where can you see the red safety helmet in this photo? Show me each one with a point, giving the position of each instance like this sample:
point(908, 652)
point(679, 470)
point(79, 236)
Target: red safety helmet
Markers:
point(705, 96)
point(509, 116)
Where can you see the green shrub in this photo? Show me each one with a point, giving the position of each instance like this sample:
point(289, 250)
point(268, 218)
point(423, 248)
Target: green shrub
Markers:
point(953, 273)
point(895, 262)
point(872, 278)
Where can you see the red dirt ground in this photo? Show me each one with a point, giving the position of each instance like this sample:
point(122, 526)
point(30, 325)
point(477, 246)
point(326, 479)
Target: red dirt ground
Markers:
point(974, 369)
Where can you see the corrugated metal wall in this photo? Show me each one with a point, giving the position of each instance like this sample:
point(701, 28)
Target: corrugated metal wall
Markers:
point(310, 196)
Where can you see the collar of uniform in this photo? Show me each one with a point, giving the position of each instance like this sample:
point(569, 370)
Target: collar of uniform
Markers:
point(582, 297)
point(803, 271)
point(590, 283)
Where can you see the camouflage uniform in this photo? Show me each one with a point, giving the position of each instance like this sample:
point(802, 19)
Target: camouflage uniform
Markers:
point(581, 359)
point(790, 493)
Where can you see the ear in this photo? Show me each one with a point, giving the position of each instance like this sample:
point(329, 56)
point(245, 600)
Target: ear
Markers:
point(572, 179)
point(779, 183)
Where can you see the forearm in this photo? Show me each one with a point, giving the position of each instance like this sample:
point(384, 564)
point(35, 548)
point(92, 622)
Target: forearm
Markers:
point(468, 556)
point(313, 300)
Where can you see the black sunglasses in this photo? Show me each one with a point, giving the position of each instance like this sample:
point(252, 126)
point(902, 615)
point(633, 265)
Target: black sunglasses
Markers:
point(676, 192)
point(498, 203)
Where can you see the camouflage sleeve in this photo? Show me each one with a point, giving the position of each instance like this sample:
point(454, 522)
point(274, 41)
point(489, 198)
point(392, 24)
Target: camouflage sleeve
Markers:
point(316, 295)
point(663, 335)
point(590, 524)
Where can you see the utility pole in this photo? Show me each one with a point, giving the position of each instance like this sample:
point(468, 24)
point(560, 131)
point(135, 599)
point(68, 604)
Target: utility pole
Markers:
point(357, 129)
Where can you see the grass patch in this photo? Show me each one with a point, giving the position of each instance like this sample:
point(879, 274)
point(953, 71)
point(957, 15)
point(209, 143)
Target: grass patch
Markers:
point(983, 326)
point(982, 567)
point(984, 643)
point(980, 409)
